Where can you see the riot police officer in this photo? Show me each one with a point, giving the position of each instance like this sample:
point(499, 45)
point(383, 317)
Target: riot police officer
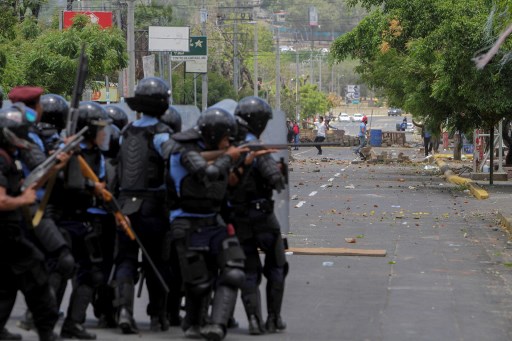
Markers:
point(172, 118)
point(21, 263)
point(252, 213)
point(81, 217)
point(142, 198)
point(48, 236)
point(209, 253)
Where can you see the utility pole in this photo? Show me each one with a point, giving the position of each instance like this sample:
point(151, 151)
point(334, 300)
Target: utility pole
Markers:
point(120, 83)
point(297, 114)
point(255, 80)
point(130, 35)
point(311, 58)
point(320, 74)
point(278, 69)
point(235, 50)
point(204, 84)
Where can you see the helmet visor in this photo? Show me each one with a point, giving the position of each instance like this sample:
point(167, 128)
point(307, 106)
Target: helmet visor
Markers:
point(103, 135)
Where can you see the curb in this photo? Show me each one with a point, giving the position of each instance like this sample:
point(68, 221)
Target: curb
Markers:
point(475, 189)
point(506, 222)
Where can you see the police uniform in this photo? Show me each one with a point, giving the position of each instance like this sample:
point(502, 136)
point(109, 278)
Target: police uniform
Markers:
point(142, 198)
point(209, 254)
point(251, 210)
point(21, 263)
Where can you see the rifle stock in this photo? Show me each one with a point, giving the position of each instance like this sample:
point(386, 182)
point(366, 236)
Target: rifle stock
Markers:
point(121, 219)
point(40, 173)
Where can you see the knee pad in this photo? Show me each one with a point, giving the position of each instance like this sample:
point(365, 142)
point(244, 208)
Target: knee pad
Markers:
point(232, 254)
point(65, 264)
point(96, 277)
point(233, 277)
point(199, 289)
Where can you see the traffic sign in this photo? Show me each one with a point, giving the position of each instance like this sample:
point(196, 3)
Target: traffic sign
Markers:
point(198, 50)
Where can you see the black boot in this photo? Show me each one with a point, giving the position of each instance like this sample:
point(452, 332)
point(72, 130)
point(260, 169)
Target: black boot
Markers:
point(79, 301)
point(7, 335)
point(124, 300)
point(275, 292)
point(48, 336)
point(252, 304)
point(213, 332)
point(74, 330)
point(159, 323)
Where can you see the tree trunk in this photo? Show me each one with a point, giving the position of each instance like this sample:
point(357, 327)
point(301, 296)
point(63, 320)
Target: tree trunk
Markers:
point(457, 146)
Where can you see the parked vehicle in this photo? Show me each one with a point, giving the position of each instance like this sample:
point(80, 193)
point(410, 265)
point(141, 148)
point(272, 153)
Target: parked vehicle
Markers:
point(357, 118)
point(394, 112)
point(343, 117)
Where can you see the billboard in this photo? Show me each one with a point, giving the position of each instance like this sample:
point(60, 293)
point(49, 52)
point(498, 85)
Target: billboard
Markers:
point(313, 16)
point(102, 18)
point(162, 38)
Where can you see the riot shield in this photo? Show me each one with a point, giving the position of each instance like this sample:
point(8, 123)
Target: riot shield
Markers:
point(275, 133)
point(227, 104)
point(189, 115)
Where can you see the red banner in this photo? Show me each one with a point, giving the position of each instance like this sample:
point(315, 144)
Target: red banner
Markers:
point(104, 19)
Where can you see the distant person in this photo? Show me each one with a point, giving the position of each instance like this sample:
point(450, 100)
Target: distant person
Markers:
point(296, 134)
point(289, 126)
point(403, 126)
point(362, 137)
point(427, 144)
point(320, 133)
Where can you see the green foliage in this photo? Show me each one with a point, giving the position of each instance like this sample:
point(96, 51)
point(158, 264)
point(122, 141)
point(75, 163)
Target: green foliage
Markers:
point(419, 54)
point(312, 101)
point(219, 88)
point(154, 15)
point(43, 59)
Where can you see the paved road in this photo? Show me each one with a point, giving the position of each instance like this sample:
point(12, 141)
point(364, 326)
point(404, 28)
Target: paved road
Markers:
point(384, 123)
point(446, 276)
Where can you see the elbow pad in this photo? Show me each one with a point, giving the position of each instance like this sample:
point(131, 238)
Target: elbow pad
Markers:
point(193, 162)
point(219, 168)
point(269, 170)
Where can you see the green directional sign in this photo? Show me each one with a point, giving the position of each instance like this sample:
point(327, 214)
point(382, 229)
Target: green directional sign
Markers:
point(198, 50)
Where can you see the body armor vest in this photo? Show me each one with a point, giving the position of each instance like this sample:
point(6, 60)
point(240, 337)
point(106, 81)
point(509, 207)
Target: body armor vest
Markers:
point(13, 176)
point(198, 194)
point(140, 166)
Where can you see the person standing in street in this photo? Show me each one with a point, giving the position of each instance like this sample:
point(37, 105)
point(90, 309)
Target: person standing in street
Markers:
point(362, 137)
point(426, 141)
point(320, 133)
point(296, 135)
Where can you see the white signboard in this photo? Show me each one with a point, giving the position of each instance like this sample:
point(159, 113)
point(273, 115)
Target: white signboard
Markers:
point(196, 66)
point(168, 39)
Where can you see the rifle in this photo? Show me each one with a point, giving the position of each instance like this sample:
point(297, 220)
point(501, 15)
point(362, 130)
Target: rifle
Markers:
point(121, 219)
point(40, 172)
point(78, 89)
point(255, 146)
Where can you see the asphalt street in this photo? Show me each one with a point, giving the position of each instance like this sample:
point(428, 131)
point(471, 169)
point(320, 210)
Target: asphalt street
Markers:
point(447, 274)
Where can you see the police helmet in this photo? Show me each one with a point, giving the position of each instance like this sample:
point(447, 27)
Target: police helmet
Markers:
point(215, 124)
point(151, 97)
point(117, 115)
point(92, 115)
point(55, 110)
point(256, 112)
point(172, 118)
point(18, 119)
point(242, 129)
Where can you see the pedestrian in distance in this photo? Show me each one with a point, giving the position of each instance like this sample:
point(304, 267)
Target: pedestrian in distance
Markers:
point(362, 138)
point(296, 135)
point(320, 133)
point(427, 144)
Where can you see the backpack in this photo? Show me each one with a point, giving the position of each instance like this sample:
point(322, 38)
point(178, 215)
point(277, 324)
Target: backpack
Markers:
point(296, 129)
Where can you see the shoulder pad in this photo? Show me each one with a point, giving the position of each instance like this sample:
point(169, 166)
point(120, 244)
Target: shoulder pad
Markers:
point(187, 135)
point(170, 147)
point(126, 127)
point(161, 128)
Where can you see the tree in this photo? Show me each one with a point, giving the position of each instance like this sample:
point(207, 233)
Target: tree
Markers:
point(312, 101)
point(420, 54)
point(43, 59)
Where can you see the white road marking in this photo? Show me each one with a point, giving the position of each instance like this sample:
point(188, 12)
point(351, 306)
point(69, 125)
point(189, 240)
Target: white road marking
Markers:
point(331, 180)
point(337, 174)
point(324, 185)
point(313, 193)
point(300, 203)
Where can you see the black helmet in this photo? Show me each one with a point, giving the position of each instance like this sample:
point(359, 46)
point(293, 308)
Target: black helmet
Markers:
point(256, 112)
point(55, 110)
point(242, 129)
point(92, 115)
point(214, 124)
point(172, 118)
point(117, 115)
point(151, 97)
point(18, 118)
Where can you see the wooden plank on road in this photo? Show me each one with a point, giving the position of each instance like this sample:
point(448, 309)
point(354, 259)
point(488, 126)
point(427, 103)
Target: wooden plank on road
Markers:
point(336, 251)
